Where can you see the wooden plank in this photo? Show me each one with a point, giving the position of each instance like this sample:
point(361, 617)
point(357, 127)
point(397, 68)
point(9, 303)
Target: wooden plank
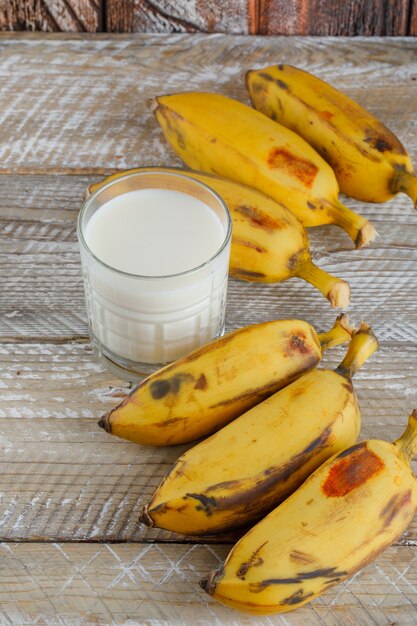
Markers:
point(41, 275)
point(136, 584)
point(333, 17)
point(413, 20)
point(84, 108)
point(63, 478)
point(51, 15)
point(233, 17)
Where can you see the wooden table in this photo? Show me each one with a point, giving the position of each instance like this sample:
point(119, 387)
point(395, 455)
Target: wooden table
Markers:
point(72, 109)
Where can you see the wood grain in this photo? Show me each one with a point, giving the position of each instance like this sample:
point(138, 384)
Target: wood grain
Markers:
point(154, 584)
point(50, 15)
point(413, 20)
point(163, 16)
point(52, 123)
point(332, 17)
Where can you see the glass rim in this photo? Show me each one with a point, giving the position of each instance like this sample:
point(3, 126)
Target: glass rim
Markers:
point(149, 170)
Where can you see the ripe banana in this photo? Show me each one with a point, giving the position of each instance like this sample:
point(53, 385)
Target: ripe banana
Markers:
point(369, 161)
point(245, 469)
point(216, 134)
point(350, 509)
point(269, 244)
point(201, 392)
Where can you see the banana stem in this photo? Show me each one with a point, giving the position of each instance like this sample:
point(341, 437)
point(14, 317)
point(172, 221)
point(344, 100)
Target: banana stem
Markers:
point(341, 332)
point(408, 440)
point(359, 229)
point(362, 346)
point(336, 290)
point(407, 182)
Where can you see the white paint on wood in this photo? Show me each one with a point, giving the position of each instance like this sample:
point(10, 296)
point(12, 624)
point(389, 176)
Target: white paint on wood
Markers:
point(158, 585)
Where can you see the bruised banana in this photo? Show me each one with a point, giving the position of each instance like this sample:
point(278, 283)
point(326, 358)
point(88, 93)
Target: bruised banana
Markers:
point(245, 469)
point(216, 134)
point(269, 244)
point(351, 508)
point(369, 161)
point(201, 392)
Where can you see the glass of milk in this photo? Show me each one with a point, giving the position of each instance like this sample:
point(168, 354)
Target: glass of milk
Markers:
point(155, 250)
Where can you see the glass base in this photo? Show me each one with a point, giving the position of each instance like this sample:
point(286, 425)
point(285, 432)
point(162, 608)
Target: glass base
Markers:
point(132, 371)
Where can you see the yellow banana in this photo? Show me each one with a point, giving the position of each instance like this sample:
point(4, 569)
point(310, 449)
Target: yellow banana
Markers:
point(249, 466)
point(369, 161)
point(216, 134)
point(269, 244)
point(201, 392)
point(352, 507)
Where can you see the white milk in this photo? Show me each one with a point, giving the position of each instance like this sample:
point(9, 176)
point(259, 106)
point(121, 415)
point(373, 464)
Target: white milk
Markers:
point(153, 309)
point(154, 232)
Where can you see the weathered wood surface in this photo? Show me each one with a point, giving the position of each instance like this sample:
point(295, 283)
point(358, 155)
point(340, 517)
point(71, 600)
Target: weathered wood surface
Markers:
point(79, 105)
point(413, 19)
point(163, 16)
point(72, 110)
point(332, 17)
point(51, 15)
point(271, 17)
point(153, 584)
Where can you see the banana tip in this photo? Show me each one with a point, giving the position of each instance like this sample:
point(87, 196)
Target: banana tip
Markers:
point(209, 583)
point(366, 235)
point(203, 584)
point(339, 295)
point(104, 423)
point(145, 518)
point(152, 104)
point(344, 322)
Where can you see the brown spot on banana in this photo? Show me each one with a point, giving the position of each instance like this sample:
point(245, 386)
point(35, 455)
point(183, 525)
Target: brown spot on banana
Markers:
point(284, 160)
point(301, 558)
point(395, 506)
point(351, 471)
point(171, 421)
point(201, 383)
point(242, 274)
point(258, 218)
point(297, 344)
point(383, 140)
point(296, 598)
point(266, 390)
point(207, 503)
point(325, 115)
point(327, 572)
point(249, 244)
point(254, 561)
point(159, 389)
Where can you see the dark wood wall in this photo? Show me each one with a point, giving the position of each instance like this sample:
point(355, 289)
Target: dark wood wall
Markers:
point(265, 17)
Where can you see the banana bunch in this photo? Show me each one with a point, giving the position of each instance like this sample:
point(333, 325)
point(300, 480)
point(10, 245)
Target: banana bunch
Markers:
point(269, 244)
point(351, 508)
point(369, 161)
point(216, 134)
point(265, 453)
point(205, 390)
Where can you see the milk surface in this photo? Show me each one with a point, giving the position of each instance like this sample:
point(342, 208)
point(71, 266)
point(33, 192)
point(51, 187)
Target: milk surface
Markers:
point(154, 232)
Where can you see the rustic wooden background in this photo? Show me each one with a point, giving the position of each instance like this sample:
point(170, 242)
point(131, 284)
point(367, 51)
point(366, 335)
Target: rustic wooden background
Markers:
point(264, 17)
point(72, 109)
